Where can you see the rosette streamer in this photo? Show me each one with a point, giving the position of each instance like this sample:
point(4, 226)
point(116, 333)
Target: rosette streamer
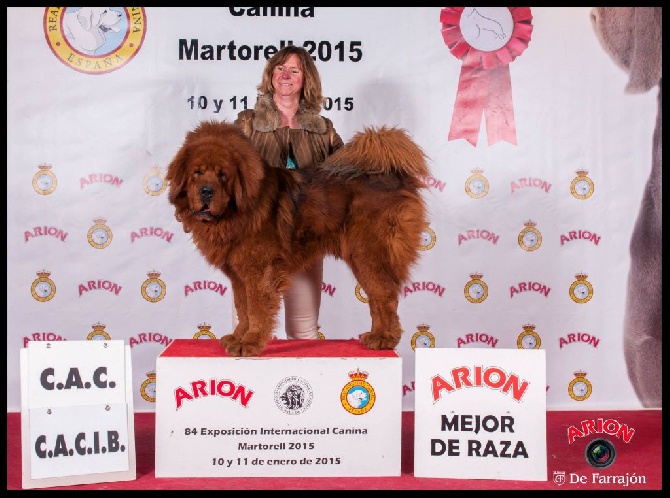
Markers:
point(484, 85)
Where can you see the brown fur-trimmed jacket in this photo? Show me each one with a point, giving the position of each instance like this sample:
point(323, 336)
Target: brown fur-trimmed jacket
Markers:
point(315, 140)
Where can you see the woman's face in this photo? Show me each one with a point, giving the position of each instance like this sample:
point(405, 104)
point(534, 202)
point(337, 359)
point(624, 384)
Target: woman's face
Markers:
point(287, 77)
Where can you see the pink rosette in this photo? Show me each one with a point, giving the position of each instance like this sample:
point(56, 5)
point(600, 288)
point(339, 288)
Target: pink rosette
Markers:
point(484, 85)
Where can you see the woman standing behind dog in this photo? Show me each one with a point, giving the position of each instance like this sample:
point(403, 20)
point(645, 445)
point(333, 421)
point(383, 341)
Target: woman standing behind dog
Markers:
point(287, 129)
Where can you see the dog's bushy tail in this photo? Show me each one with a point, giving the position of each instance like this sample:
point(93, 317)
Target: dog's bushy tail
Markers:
point(380, 150)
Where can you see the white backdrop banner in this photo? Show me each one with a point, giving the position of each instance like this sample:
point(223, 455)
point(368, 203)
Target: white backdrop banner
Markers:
point(538, 161)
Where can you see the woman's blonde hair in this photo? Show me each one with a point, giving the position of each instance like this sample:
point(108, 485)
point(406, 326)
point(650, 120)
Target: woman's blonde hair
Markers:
point(311, 81)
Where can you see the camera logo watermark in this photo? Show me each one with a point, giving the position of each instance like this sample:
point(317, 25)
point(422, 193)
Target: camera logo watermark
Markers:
point(600, 453)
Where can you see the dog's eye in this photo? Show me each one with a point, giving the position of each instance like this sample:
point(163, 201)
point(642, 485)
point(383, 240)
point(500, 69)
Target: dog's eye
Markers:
point(222, 176)
point(197, 173)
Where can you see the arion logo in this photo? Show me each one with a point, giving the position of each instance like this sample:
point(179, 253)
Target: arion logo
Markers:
point(95, 40)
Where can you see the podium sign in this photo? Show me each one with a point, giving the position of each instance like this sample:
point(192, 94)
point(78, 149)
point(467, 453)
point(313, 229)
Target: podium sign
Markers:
point(302, 408)
point(480, 414)
point(77, 420)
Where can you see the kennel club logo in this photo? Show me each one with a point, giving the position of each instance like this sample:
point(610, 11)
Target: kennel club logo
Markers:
point(95, 40)
point(423, 337)
point(153, 288)
point(43, 288)
point(293, 395)
point(204, 332)
point(99, 235)
point(98, 333)
point(358, 396)
point(148, 387)
point(44, 181)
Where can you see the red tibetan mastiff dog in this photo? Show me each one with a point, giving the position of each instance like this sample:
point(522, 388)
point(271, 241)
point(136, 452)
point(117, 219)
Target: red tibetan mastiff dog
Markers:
point(259, 224)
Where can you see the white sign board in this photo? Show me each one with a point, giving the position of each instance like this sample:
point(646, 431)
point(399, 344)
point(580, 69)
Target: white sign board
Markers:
point(77, 420)
point(480, 413)
point(302, 408)
point(78, 440)
point(66, 373)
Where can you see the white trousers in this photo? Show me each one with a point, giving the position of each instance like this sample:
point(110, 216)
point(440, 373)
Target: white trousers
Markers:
point(301, 304)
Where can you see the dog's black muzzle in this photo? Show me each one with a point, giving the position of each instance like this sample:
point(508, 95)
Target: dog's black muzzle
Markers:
point(206, 194)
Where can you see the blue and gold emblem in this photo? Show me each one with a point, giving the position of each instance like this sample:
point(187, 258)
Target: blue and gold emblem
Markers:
point(358, 396)
point(98, 333)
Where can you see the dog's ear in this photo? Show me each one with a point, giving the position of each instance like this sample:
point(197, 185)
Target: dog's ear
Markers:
point(645, 61)
point(96, 14)
point(250, 172)
point(177, 175)
point(85, 17)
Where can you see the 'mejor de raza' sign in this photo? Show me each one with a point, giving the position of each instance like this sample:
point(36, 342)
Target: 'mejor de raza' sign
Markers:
point(77, 422)
point(480, 414)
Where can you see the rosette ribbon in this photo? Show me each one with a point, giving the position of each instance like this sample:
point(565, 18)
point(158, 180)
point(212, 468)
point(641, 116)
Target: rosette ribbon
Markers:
point(484, 85)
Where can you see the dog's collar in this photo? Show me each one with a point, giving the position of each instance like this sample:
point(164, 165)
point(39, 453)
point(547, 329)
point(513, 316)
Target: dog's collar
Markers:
point(267, 118)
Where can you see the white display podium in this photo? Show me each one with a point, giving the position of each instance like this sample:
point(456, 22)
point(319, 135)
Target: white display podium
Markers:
point(302, 408)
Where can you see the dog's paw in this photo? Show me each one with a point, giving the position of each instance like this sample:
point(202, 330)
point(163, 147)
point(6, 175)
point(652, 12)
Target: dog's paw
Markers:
point(231, 345)
point(378, 341)
point(235, 347)
point(250, 350)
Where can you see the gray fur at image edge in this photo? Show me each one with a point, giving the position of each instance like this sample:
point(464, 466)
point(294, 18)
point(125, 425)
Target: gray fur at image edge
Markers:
point(632, 37)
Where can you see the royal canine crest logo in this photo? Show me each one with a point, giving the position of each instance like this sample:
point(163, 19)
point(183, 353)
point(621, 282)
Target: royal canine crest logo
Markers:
point(95, 40)
point(98, 333)
point(423, 338)
point(153, 288)
point(44, 181)
point(43, 288)
point(204, 332)
point(148, 387)
point(358, 396)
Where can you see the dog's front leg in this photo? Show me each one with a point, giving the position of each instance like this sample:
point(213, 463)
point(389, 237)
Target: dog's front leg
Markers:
point(232, 342)
point(263, 300)
point(259, 297)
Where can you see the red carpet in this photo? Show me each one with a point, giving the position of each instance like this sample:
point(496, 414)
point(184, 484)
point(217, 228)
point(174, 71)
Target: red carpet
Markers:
point(637, 464)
